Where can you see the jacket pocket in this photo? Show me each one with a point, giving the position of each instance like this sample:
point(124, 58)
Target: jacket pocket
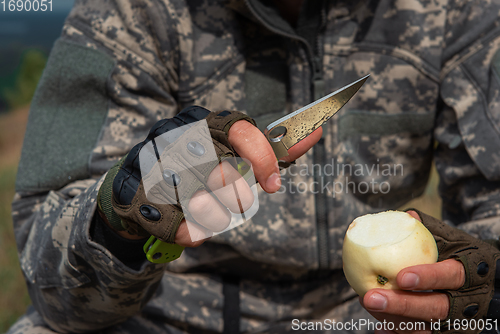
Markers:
point(384, 159)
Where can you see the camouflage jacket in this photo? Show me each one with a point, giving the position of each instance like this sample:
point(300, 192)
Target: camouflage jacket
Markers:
point(122, 65)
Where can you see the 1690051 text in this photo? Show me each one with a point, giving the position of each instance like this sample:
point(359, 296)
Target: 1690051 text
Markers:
point(26, 5)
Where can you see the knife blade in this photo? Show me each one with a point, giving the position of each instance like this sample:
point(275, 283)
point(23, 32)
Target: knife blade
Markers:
point(289, 130)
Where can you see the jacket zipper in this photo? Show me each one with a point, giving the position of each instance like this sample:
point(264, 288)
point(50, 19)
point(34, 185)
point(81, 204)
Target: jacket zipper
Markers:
point(318, 151)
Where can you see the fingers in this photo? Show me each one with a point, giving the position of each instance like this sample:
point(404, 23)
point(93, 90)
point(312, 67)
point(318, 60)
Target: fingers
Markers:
point(427, 306)
point(232, 192)
point(251, 144)
point(448, 274)
point(210, 215)
point(191, 235)
point(414, 215)
point(209, 212)
point(230, 188)
point(424, 306)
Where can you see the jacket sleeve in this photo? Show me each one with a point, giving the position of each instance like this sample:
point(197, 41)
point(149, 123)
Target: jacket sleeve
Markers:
point(109, 78)
point(468, 125)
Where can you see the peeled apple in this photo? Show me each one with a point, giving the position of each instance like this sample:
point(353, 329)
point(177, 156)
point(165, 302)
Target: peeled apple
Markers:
point(377, 246)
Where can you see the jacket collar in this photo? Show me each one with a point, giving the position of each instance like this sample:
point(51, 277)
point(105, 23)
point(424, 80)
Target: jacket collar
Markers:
point(264, 12)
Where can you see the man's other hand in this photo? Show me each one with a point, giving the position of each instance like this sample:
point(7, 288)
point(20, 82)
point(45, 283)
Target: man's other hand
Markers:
point(413, 304)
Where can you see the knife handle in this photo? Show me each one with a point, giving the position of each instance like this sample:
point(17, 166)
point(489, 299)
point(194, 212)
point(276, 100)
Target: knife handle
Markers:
point(158, 251)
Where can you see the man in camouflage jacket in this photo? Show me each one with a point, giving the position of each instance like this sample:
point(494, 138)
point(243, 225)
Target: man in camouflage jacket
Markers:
point(122, 65)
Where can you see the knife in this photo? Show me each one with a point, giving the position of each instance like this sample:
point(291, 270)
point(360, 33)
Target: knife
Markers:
point(294, 127)
point(289, 130)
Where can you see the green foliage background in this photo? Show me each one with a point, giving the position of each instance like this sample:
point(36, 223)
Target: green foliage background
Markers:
point(13, 294)
point(27, 77)
point(17, 92)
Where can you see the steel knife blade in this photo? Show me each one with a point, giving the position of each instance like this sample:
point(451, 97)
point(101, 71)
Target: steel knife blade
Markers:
point(287, 131)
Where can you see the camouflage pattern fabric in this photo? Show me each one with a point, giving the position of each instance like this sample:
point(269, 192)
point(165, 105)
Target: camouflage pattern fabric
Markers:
point(434, 93)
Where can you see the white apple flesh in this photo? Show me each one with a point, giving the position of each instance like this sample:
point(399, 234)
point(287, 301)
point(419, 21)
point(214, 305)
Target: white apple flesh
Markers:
point(377, 246)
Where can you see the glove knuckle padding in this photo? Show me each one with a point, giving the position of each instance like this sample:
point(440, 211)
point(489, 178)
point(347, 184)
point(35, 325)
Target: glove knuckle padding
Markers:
point(178, 167)
point(479, 258)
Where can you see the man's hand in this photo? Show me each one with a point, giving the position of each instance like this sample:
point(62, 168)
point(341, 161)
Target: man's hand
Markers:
point(411, 304)
point(465, 275)
point(250, 144)
point(176, 166)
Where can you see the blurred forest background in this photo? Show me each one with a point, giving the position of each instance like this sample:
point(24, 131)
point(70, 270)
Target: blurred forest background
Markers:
point(25, 42)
